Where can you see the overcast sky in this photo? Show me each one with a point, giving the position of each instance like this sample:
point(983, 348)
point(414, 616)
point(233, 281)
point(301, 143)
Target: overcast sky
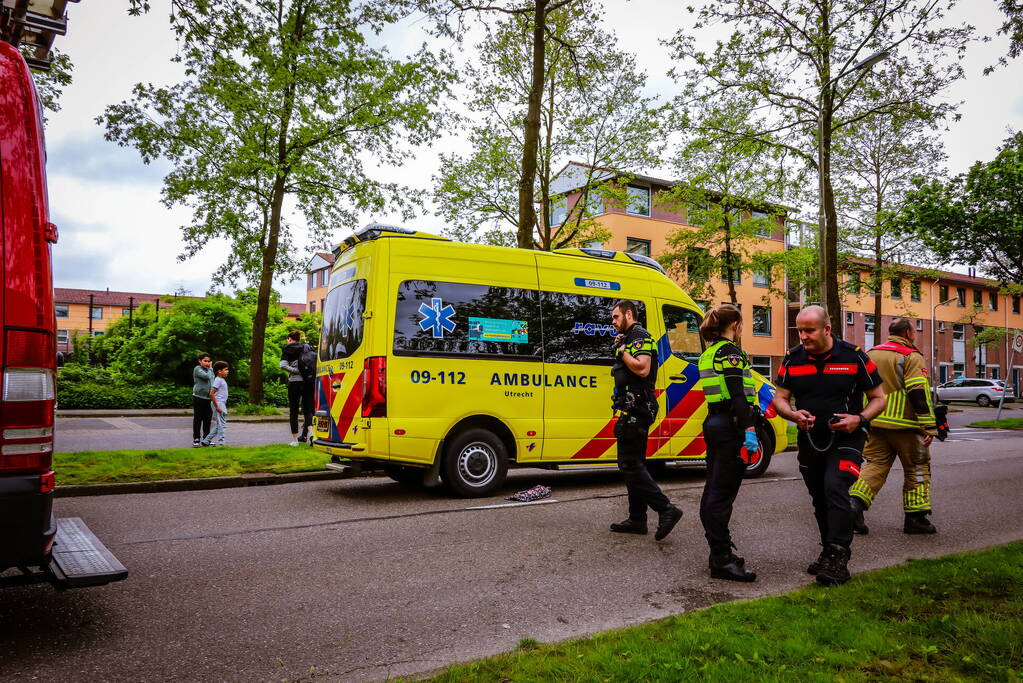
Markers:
point(115, 233)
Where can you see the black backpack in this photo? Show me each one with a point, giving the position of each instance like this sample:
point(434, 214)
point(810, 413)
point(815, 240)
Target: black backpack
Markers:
point(307, 363)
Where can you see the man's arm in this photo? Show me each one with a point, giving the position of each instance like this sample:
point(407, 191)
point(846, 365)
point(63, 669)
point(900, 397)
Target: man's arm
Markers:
point(637, 364)
point(783, 406)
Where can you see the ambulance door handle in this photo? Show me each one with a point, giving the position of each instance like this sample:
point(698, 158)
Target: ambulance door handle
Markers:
point(678, 378)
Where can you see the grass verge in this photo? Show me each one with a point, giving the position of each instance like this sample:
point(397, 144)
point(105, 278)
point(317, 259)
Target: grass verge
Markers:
point(109, 467)
point(250, 409)
point(954, 618)
point(1004, 423)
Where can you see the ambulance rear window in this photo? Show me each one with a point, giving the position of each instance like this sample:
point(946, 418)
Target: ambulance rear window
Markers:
point(342, 320)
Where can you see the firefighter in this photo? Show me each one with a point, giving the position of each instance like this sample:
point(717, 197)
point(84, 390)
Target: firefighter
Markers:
point(828, 378)
point(905, 430)
point(726, 377)
point(635, 404)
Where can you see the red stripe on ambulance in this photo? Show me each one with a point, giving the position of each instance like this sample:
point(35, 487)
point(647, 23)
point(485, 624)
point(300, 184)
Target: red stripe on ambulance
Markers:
point(349, 409)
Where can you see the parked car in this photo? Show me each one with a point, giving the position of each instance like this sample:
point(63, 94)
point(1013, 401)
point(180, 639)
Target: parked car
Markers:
point(973, 389)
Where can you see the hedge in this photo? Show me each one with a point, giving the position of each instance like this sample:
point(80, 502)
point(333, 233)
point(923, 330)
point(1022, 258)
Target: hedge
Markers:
point(94, 395)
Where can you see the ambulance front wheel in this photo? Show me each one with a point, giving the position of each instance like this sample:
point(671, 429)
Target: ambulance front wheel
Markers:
point(475, 463)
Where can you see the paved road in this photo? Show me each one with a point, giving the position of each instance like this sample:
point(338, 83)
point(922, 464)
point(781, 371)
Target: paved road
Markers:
point(115, 433)
point(364, 580)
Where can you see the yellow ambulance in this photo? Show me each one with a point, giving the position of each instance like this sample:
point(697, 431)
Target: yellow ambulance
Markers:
point(442, 359)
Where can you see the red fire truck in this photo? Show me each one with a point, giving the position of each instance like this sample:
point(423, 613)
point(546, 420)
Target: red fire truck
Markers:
point(34, 545)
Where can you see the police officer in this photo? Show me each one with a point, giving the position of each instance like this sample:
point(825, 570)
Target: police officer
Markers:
point(828, 378)
point(726, 377)
point(905, 429)
point(634, 372)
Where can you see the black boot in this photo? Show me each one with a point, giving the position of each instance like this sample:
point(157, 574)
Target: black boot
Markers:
point(629, 526)
point(731, 567)
point(834, 570)
point(666, 521)
point(917, 523)
point(816, 565)
point(858, 508)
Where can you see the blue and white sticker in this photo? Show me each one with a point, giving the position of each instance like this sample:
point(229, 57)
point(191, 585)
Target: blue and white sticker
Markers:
point(437, 318)
point(598, 284)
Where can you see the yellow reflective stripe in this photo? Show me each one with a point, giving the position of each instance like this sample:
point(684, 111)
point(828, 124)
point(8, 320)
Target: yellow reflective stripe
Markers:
point(913, 381)
point(917, 499)
point(895, 421)
point(861, 489)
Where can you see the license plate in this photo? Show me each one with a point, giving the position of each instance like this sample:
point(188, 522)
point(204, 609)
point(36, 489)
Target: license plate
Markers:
point(323, 424)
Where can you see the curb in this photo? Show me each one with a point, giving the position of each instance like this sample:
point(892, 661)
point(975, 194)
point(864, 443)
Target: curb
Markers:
point(195, 484)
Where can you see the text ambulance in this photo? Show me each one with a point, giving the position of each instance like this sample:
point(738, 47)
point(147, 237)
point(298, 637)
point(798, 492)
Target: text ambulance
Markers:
point(458, 360)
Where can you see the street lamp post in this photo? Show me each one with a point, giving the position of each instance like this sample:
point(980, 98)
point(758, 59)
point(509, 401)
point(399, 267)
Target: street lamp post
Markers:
point(828, 233)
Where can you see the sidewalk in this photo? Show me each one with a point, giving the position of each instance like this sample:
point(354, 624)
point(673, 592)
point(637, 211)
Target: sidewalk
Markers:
point(163, 412)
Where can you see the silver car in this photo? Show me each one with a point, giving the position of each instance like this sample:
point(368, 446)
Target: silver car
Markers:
point(973, 389)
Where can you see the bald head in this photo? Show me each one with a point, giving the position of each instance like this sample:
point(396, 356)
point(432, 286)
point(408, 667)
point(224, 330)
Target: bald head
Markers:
point(814, 314)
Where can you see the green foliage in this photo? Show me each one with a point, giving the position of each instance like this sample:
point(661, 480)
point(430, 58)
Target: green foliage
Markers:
point(592, 109)
point(976, 218)
point(50, 84)
point(283, 108)
point(251, 409)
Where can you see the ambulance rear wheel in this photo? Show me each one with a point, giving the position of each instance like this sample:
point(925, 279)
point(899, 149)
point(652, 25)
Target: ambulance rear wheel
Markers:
point(765, 435)
point(475, 463)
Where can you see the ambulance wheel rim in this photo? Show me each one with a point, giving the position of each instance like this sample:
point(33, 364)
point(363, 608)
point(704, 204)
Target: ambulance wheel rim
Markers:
point(477, 464)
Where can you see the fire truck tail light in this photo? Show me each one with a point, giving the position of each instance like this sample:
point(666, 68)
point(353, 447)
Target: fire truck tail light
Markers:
point(28, 384)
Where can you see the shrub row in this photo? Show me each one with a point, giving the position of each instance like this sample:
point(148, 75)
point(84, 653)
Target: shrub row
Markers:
point(94, 395)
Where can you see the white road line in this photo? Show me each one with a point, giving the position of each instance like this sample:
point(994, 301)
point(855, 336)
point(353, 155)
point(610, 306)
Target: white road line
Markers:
point(964, 462)
point(512, 505)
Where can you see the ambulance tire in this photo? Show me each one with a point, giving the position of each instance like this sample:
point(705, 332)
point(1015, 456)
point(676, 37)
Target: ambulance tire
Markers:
point(765, 436)
point(475, 463)
point(405, 475)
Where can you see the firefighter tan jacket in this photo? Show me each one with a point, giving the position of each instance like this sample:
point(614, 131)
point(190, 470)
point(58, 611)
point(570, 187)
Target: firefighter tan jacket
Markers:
point(901, 366)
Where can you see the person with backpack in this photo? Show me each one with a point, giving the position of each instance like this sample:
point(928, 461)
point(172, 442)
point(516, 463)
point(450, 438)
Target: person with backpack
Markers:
point(298, 359)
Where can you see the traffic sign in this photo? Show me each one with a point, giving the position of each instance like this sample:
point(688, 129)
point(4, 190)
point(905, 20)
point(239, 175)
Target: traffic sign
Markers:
point(1017, 342)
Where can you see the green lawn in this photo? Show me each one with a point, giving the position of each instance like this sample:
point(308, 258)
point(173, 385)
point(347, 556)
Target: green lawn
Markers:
point(951, 619)
point(1004, 423)
point(106, 467)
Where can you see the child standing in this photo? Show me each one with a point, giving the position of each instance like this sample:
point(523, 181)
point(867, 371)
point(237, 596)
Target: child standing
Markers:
point(218, 401)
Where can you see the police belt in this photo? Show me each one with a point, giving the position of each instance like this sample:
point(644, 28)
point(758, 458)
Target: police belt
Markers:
point(720, 408)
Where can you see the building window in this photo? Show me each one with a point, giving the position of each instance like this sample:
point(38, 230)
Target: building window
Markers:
point(761, 365)
point(961, 296)
point(958, 369)
point(98, 333)
point(978, 298)
point(312, 306)
point(896, 284)
point(992, 301)
point(594, 202)
point(943, 293)
point(995, 371)
point(868, 322)
point(958, 332)
point(62, 309)
point(559, 210)
point(762, 277)
point(63, 337)
point(919, 324)
point(763, 223)
point(634, 245)
point(736, 275)
point(322, 302)
point(1015, 303)
point(97, 313)
point(855, 282)
point(639, 200)
point(941, 326)
point(981, 372)
point(309, 280)
point(914, 290)
point(850, 319)
point(762, 321)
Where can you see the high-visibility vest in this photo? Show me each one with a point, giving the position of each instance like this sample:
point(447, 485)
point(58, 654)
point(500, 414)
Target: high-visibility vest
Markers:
point(712, 381)
point(895, 413)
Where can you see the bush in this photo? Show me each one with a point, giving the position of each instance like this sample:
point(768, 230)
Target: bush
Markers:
point(99, 395)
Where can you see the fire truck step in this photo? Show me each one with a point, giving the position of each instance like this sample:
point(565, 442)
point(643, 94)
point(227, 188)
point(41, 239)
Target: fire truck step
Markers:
point(80, 559)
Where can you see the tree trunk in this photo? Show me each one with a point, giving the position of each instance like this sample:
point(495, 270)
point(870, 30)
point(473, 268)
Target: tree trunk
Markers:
point(531, 131)
point(878, 256)
point(266, 277)
point(829, 239)
point(728, 261)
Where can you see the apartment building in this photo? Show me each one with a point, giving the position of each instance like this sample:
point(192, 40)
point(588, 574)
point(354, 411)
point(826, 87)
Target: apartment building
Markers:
point(317, 277)
point(92, 311)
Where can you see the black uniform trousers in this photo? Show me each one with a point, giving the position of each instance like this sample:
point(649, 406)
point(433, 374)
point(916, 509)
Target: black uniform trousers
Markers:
point(300, 395)
point(725, 469)
point(631, 433)
point(202, 415)
point(828, 474)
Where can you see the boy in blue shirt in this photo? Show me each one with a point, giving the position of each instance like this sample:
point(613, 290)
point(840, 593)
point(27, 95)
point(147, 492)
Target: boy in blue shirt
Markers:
point(218, 401)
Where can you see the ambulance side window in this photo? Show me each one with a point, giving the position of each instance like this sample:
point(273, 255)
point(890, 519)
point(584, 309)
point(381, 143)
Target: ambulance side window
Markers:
point(455, 319)
point(577, 328)
point(683, 327)
point(343, 321)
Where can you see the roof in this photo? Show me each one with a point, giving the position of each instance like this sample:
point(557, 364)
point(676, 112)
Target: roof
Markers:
point(294, 310)
point(319, 260)
point(101, 297)
point(943, 275)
